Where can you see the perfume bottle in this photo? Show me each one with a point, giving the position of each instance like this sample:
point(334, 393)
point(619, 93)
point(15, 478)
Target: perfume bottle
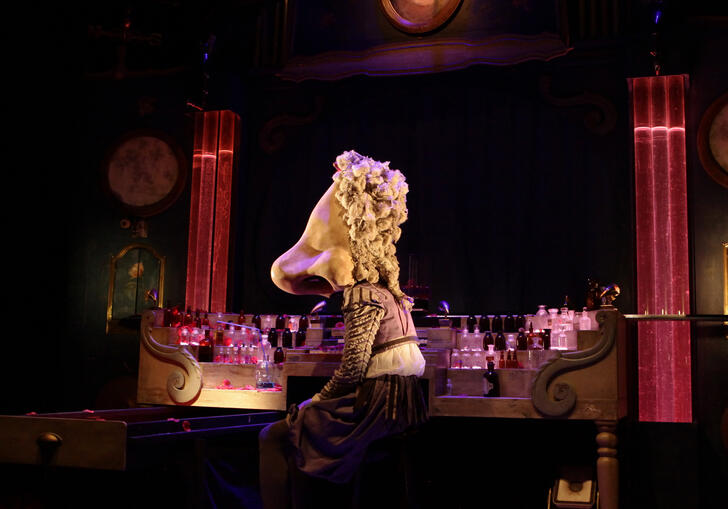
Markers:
point(300, 338)
point(509, 324)
point(488, 340)
point(263, 374)
point(497, 323)
point(281, 322)
point(521, 341)
point(585, 322)
point(287, 338)
point(491, 384)
point(484, 323)
point(471, 324)
point(500, 341)
point(273, 337)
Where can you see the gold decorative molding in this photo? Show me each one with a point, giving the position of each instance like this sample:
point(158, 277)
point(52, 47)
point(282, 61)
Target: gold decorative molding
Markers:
point(184, 380)
point(112, 277)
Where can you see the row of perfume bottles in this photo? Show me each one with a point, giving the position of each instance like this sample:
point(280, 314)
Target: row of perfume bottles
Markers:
point(503, 359)
point(552, 318)
point(531, 340)
point(173, 317)
point(240, 337)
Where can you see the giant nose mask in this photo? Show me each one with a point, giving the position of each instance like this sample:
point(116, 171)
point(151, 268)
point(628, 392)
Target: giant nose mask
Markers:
point(320, 262)
point(351, 234)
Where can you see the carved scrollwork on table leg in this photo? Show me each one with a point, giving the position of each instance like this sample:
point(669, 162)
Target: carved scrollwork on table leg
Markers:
point(564, 396)
point(184, 382)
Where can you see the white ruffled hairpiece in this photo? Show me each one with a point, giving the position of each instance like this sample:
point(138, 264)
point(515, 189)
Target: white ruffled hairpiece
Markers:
point(374, 199)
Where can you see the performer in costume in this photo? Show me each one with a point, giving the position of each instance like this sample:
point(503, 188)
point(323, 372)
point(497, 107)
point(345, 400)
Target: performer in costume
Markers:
point(349, 245)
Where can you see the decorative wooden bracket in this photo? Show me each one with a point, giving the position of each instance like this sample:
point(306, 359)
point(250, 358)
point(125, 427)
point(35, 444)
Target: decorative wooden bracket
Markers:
point(564, 397)
point(184, 382)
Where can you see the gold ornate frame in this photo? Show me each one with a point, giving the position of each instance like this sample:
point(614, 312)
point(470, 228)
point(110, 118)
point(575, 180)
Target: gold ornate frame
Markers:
point(112, 277)
point(436, 21)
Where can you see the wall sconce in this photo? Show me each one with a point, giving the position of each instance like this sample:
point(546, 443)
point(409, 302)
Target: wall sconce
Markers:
point(214, 160)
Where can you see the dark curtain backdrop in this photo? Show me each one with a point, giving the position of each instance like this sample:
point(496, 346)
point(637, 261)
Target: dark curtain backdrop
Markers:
point(513, 201)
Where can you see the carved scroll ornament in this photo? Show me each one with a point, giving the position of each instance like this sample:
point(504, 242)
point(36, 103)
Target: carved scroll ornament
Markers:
point(563, 400)
point(184, 382)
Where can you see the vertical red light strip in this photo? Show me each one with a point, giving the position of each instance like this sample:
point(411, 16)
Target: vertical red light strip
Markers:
point(213, 166)
point(662, 247)
point(221, 242)
point(191, 281)
point(207, 209)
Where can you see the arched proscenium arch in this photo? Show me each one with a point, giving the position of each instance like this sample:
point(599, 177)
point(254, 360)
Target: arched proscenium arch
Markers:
point(564, 398)
point(184, 382)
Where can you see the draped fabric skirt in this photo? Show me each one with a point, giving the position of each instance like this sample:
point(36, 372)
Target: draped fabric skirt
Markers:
point(330, 437)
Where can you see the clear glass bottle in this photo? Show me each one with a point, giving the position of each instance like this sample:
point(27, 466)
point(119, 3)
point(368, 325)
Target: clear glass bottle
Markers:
point(585, 322)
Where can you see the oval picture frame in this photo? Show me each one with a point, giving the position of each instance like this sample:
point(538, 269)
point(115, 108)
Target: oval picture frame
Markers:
point(708, 139)
point(418, 26)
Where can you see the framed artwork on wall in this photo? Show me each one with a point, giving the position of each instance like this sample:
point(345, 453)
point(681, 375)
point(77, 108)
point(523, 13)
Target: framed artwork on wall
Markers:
point(713, 140)
point(144, 172)
point(136, 283)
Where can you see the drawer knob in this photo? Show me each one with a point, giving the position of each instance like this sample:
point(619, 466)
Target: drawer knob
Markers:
point(49, 440)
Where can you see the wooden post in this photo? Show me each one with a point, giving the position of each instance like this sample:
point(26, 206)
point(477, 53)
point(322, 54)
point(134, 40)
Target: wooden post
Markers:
point(607, 464)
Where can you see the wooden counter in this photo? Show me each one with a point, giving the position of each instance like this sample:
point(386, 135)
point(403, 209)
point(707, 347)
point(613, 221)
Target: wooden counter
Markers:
point(588, 384)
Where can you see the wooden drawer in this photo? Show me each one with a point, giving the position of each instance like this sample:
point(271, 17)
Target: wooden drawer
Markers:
point(81, 443)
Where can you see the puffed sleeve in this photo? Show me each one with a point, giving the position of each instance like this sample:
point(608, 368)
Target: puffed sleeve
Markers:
point(363, 310)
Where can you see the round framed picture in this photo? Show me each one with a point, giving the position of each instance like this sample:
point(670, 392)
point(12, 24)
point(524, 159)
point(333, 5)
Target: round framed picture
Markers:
point(713, 140)
point(418, 16)
point(145, 172)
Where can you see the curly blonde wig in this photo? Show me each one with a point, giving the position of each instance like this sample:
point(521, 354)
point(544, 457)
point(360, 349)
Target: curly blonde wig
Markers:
point(374, 199)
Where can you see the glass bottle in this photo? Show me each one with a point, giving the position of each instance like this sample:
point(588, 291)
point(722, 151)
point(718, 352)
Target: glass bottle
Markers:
point(490, 354)
point(497, 324)
point(281, 322)
point(241, 317)
point(535, 340)
point(471, 324)
point(187, 320)
point(500, 341)
point(546, 337)
point(273, 337)
point(521, 341)
point(256, 322)
point(303, 323)
point(287, 339)
point(300, 338)
point(279, 356)
point(491, 385)
point(484, 323)
point(509, 324)
point(488, 339)
point(502, 360)
point(584, 321)
point(263, 374)
point(204, 351)
point(205, 322)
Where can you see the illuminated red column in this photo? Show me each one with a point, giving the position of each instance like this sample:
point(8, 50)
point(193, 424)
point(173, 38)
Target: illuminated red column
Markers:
point(215, 142)
point(663, 269)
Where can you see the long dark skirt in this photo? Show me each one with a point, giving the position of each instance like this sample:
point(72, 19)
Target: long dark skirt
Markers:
point(330, 437)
